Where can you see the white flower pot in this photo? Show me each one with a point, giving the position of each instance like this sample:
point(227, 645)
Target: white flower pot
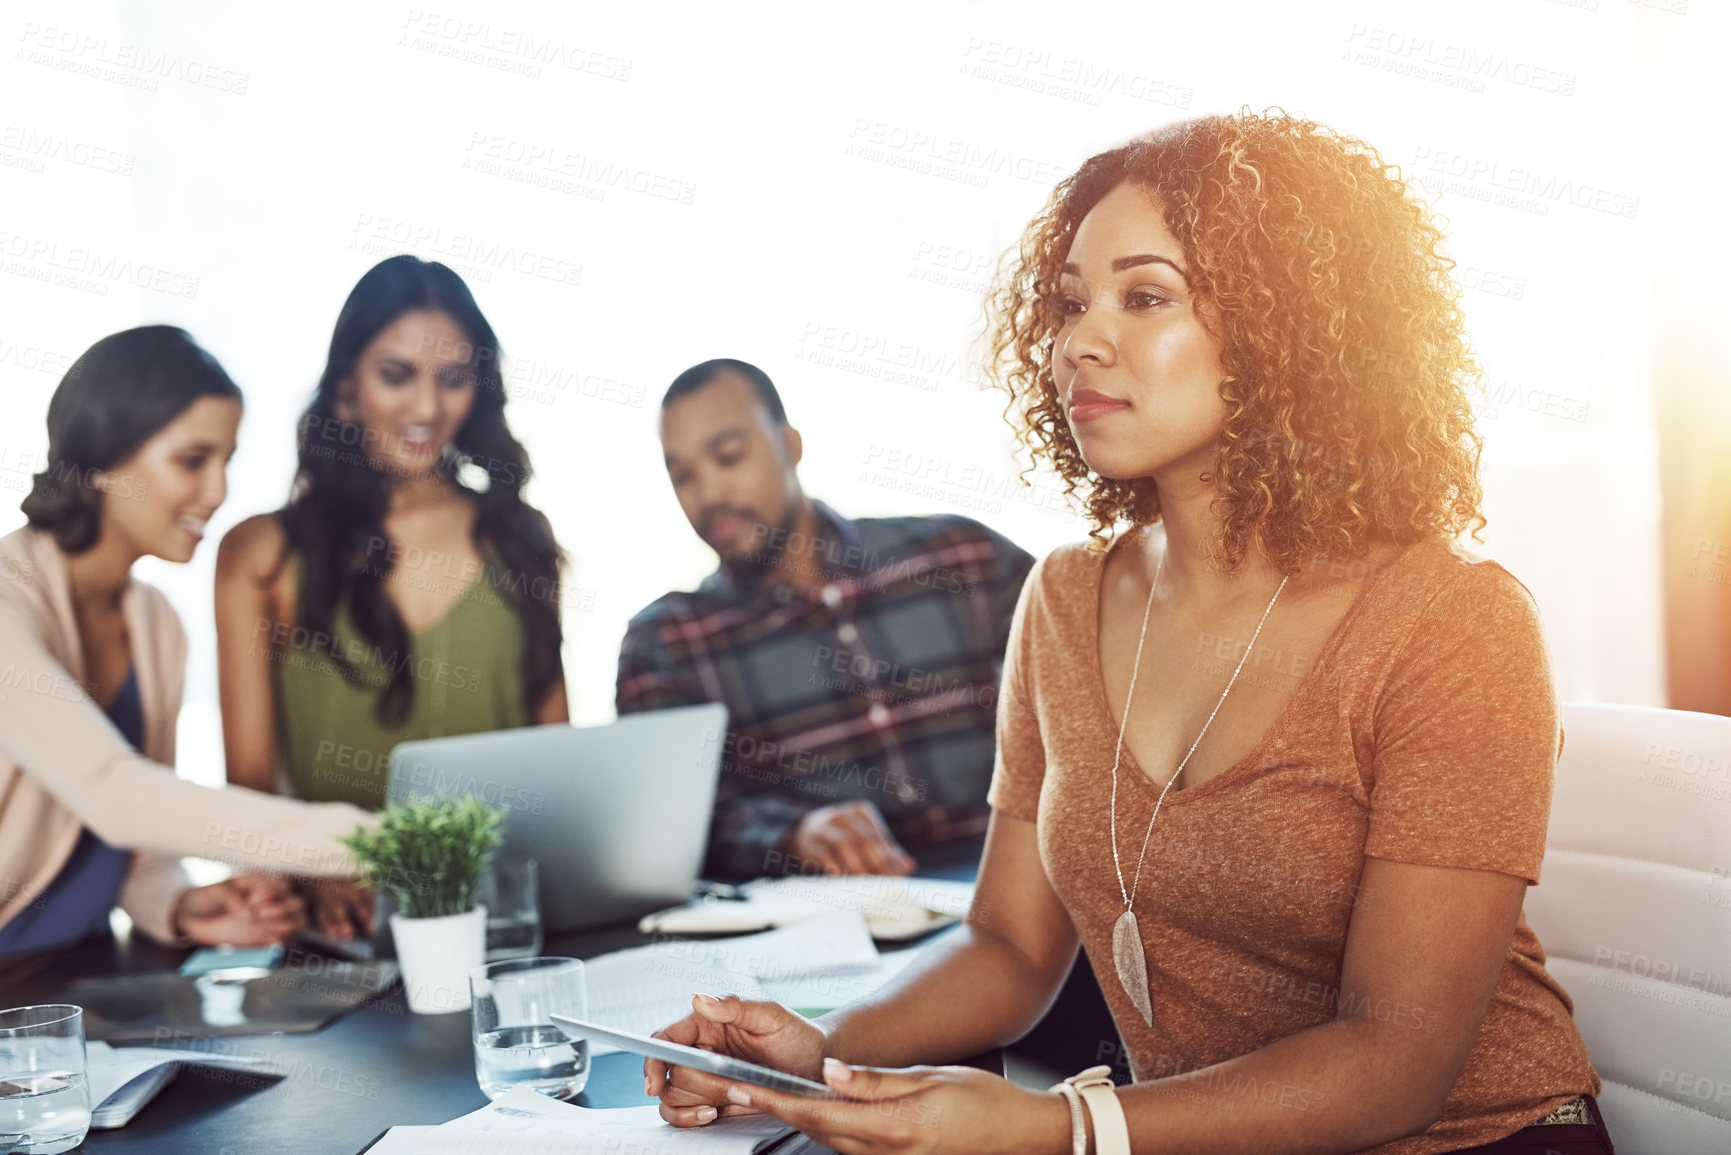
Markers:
point(436, 956)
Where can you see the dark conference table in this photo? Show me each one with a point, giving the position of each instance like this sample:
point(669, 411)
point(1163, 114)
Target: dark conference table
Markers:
point(373, 1068)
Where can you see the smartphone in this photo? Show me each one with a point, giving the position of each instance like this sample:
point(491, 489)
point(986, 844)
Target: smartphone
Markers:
point(226, 957)
point(681, 1055)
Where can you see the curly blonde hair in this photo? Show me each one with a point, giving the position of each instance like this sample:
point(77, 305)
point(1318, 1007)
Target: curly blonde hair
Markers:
point(1347, 370)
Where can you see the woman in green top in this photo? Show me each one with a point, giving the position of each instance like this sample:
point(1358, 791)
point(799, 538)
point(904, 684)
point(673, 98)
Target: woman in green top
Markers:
point(407, 590)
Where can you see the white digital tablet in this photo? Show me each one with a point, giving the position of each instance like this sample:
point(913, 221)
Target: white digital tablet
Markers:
point(681, 1055)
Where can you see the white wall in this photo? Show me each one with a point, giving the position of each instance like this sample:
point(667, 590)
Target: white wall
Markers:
point(785, 184)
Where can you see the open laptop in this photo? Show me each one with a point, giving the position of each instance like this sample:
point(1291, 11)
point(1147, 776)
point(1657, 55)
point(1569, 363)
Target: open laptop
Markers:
point(616, 816)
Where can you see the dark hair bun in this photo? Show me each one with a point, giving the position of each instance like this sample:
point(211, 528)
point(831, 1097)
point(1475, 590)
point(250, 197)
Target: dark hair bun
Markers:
point(118, 395)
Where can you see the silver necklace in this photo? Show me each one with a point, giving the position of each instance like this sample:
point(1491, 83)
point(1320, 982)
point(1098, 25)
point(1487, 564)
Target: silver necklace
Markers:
point(1128, 957)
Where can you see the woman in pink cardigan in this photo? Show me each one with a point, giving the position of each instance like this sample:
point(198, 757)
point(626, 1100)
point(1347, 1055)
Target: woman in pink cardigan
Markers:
point(140, 431)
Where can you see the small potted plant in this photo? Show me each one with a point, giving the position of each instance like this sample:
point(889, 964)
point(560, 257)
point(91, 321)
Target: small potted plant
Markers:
point(429, 855)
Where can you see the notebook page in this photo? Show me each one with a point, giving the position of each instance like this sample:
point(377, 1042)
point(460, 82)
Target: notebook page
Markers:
point(642, 993)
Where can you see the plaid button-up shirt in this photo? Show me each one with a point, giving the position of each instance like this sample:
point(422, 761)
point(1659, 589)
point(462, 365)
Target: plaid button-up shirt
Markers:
point(880, 685)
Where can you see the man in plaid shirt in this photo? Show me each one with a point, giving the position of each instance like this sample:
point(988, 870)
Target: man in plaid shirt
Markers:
point(858, 660)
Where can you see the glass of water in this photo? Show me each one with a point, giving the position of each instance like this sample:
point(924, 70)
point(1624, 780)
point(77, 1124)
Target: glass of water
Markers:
point(516, 1043)
point(512, 896)
point(44, 1095)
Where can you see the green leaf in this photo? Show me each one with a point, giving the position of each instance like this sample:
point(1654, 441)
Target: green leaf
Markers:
point(429, 854)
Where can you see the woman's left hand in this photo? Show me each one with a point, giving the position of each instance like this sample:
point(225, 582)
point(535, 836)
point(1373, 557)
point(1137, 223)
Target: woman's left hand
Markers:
point(247, 910)
point(923, 1109)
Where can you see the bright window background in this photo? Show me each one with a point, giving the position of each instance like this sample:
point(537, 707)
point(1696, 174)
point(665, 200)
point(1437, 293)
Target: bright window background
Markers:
point(631, 189)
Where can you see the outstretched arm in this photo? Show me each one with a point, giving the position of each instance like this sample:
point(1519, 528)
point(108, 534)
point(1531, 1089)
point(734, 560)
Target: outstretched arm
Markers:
point(62, 739)
point(1423, 955)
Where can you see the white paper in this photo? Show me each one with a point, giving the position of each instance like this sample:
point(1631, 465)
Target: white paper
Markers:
point(646, 988)
point(888, 898)
point(111, 1069)
point(639, 991)
point(832, 943)
point(895, 908)
point(524, 1122)
point(826, 992)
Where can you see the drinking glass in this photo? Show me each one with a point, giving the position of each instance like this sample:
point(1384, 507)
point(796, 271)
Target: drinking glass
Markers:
point(44, 1092)
point(516, 1043)
point(512, 896)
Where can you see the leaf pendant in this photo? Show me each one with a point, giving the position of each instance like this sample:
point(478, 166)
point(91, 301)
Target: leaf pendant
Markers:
point(1131, 964)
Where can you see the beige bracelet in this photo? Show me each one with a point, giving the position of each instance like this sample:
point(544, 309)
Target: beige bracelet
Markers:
point(1078, 1128)
point(1111, 1135)
point(1094, 1089)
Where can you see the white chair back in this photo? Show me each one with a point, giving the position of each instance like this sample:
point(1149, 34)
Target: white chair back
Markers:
point(1633, 909)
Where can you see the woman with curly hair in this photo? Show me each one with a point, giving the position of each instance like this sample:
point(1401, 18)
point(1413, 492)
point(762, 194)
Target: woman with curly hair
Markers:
point(1279, 752)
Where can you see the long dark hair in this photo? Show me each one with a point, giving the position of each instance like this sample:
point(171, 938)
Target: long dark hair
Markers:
point(118, 395)
point(336, 510)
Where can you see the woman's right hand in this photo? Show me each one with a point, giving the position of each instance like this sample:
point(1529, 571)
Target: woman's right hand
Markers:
point(338, 908)
point(768, 1034)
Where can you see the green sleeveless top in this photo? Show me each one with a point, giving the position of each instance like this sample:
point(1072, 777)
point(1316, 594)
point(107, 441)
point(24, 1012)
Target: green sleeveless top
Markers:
point(466, 672)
